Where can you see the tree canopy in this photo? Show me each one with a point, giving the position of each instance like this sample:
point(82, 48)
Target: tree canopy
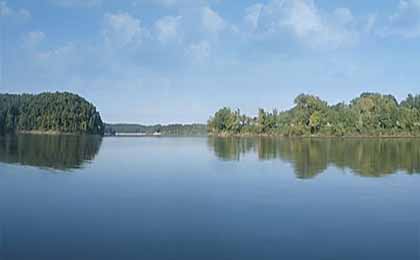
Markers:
point(58, 112)
point(370, 114)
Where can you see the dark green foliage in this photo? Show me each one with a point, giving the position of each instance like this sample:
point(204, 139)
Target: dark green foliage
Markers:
point(57, 112)
point(165, 130)
point(371, 114)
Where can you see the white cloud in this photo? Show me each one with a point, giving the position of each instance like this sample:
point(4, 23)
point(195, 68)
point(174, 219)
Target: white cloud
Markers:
point(370, 24)
point(21, 15)
point(199, 52)
point(54, 64)
point(4, 9)
point(59, 55)
point(175, 3)
point(211, 21)
point(168, 28)
point(343, 16)
point(166, 3)
point(32, 39)
point(310, 25)
point(252, 15)
point(302, 17)
point(77, 3)
point(121, 30)
point(405, 21)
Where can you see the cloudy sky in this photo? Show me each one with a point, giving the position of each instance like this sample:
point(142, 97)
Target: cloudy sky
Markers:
point(163, 61)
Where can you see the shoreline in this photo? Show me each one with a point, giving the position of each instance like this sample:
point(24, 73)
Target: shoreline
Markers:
point(39, 132)
point(225, 135)
point(50, 133)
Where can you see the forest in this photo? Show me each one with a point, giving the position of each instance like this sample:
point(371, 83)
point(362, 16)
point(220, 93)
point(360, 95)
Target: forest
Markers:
point(370, 114)
point(49, 112)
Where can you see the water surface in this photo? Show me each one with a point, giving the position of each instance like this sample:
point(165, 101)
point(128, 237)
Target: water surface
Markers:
point(66, 197)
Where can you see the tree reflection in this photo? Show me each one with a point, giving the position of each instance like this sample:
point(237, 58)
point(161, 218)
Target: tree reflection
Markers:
point(60, 152)
point(231, 148)
point(311, 157)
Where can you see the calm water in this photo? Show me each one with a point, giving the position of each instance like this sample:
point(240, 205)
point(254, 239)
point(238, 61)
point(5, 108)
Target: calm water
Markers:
point(64, 197)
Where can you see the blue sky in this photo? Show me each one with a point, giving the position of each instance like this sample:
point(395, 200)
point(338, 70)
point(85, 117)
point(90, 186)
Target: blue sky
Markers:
point(165, 61)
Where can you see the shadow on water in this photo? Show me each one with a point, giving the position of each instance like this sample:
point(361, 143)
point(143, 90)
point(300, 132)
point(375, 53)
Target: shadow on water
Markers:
point(311, 157)
point(56, 152)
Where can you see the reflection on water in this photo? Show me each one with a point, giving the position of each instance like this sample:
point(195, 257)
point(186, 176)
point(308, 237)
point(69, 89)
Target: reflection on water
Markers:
point(170, 198)
point(60, 152)
point(310, 157)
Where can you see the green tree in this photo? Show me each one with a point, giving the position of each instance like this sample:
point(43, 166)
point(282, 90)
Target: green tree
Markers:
point(370, 114)
point(61, 112)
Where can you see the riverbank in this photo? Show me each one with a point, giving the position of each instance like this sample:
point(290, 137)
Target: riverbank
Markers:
point(51, 133)
point(39, 132)
point(253, 135)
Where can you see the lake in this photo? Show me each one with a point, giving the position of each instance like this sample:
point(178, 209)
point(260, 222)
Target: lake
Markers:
point(69, 197)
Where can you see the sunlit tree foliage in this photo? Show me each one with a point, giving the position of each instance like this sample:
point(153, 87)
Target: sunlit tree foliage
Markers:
point(371, 114)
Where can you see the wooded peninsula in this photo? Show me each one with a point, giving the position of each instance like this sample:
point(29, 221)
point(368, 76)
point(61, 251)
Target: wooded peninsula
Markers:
point(369, 115)
point(49, 113)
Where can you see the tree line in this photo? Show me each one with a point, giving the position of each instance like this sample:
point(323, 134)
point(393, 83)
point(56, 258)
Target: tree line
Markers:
point(165, 130)
point(49, 112)
point(370, 114)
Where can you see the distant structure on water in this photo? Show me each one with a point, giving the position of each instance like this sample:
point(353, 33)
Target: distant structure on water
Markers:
point(136, 134)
